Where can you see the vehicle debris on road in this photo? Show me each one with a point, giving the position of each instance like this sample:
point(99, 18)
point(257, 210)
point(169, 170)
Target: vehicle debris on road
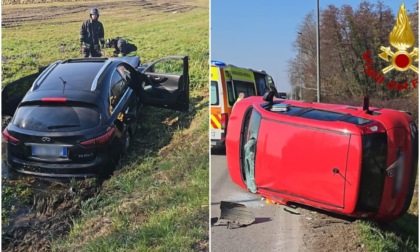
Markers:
point(234, 215)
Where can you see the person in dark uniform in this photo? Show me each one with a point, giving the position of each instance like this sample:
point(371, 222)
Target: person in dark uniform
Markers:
point(121, 46)
point(91, 34)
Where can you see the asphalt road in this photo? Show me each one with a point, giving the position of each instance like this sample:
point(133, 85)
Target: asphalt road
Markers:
point(274, 229)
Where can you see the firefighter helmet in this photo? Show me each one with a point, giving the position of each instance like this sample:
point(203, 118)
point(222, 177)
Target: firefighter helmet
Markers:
point(94, 11)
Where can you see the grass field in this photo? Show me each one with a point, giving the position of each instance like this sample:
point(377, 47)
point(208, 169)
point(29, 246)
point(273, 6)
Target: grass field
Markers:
point(158, 197)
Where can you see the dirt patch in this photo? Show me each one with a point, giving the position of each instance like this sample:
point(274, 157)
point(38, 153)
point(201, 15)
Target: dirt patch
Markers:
point(50, 217)
point(327, 232)
point(17, 17)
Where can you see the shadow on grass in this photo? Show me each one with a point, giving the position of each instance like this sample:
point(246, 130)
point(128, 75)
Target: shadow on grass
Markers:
point(13, 93)
point(405, 227)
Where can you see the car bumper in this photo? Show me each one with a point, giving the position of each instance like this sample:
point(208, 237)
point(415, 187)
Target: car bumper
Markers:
point(96, 168)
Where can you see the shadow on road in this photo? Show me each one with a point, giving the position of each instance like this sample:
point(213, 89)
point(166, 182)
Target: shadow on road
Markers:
point(236, 201)
point(261, 220)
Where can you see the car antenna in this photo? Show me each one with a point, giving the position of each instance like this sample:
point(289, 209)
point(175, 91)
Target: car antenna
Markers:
point(64, 83)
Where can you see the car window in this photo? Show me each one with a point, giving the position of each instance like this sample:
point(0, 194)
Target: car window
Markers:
point(56, 118)
point(356, 120)
point(214, 93)
point(322, 115)
point(261, 83)
point(169, 66)
point(248, 88)
point(118, 87)
point(284, 108)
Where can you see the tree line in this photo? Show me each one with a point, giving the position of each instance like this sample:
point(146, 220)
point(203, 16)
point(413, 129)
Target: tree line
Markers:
point(350, 65)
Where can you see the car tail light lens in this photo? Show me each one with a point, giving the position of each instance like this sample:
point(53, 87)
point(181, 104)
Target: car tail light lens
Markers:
point(54, 99)
point(224, 120)
point(9, 138)
point(105, 138)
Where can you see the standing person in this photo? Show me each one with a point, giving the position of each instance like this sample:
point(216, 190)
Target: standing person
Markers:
point(91, 33)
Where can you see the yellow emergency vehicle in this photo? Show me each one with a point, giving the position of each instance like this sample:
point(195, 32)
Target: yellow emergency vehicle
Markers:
point(227, 82)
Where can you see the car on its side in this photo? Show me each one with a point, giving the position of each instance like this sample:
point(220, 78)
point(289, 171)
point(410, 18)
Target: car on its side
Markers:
point(356, 161)
point(80, 115)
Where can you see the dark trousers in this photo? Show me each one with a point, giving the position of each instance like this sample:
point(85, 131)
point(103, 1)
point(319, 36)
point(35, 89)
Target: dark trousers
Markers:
point(92, 52)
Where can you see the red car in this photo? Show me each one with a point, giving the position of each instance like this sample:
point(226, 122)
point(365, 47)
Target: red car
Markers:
point(356, 161)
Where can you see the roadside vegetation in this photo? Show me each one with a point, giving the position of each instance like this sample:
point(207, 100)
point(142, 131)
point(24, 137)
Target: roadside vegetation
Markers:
point(157, 199)
point(350, 40)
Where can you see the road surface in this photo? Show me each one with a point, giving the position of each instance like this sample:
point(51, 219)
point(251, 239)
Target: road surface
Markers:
point(274, 229)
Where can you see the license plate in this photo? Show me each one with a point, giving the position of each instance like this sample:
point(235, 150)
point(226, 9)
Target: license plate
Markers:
point(49, 151)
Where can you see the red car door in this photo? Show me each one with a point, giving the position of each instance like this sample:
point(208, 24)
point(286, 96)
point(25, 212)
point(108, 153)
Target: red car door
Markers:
point(301, 161)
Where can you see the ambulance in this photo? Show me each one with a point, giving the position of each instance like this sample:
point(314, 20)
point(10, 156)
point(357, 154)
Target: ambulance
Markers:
point(227, 82)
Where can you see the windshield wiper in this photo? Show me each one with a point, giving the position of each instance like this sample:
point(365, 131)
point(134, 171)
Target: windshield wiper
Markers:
point(63, 126)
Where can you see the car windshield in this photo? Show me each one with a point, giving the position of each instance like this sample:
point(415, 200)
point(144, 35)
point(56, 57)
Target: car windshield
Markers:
point(56, 118)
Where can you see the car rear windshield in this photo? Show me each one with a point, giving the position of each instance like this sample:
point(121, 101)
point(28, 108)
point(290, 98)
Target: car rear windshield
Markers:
point(73, 75)
point(56, 118)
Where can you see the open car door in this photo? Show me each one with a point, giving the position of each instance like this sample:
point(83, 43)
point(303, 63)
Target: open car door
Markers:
point(166, 83)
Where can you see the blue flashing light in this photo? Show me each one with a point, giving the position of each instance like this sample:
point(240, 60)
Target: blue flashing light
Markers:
point(217, 63)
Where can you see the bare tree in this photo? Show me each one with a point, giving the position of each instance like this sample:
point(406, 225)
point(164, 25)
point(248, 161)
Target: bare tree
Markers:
point(350, 43)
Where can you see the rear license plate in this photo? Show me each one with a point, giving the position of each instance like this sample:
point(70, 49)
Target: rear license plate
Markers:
point(49, 151)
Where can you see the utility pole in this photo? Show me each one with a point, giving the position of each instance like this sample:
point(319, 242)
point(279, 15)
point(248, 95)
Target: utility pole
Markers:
point(318, 86)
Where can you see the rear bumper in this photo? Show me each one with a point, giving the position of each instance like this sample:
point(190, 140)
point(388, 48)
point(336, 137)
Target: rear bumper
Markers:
point(96, 168)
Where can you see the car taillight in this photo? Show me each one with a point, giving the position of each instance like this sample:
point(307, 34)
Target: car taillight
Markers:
point(9, 138)
point(224, 120)
point(101, 139)
point(54, 99)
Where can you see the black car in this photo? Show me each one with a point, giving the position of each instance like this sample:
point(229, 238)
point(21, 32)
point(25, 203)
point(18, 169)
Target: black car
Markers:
point(79, 116)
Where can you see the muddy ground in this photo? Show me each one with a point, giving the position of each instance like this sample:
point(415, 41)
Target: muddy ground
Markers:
point(48, 217)
point(17, 17)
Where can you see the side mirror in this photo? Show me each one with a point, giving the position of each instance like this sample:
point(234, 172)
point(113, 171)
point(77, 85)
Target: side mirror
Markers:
point(129, 118)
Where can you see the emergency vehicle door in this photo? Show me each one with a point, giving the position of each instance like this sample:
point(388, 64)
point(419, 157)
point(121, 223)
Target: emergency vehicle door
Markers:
point(166, 83)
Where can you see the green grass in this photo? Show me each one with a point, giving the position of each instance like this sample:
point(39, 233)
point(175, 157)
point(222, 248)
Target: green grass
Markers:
point(399, 235)
point(158, 197)
point(387, 238)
